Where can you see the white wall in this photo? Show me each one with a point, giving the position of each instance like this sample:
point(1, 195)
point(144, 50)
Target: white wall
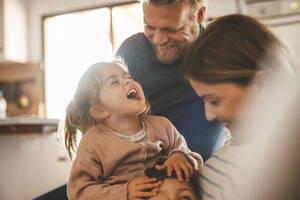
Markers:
point(38, 8)
point(15, 30)
point(290, 33)
point(217, 8)
point(288, 30)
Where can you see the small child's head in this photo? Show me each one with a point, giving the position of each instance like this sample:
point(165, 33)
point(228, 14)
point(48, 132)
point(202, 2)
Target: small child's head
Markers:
point(105, 91)
point(171, 187)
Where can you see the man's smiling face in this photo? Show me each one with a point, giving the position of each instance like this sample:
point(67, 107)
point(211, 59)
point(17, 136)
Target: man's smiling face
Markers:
point(170, 29)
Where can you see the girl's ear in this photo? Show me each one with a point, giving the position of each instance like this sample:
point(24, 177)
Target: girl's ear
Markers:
point(98, 112)
point(260, 86)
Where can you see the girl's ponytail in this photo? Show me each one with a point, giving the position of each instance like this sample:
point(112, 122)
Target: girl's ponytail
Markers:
point(71, 127)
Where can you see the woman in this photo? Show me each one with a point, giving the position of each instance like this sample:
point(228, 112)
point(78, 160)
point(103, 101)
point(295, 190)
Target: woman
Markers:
point(231, 61)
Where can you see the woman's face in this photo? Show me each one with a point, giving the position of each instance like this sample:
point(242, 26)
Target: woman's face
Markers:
point(172, 189)
point(222, 101)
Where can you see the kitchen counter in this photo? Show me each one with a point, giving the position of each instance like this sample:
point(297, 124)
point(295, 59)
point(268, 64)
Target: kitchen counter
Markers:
point(28, 124)
point(31, 164)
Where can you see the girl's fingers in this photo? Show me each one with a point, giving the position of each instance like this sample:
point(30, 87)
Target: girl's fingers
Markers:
point(186, 171)
point(147, 186)
point(142, 194)
point(170, 170)
point(160, 167)
point(144, 179)
point(191, 168)
point(155, 190)
point(178, 173)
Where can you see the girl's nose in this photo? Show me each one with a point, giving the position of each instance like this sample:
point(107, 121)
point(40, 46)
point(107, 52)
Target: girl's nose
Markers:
point(126, 81)
point(209, 113)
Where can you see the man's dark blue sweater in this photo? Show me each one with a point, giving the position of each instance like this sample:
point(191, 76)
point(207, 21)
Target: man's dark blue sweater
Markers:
point(171, 96)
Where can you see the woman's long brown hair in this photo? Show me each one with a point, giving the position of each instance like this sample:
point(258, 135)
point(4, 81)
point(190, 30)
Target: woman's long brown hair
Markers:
point(233, 49)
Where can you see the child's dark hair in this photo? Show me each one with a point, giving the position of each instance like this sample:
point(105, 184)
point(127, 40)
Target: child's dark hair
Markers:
point(162, 174)
point(87, 95)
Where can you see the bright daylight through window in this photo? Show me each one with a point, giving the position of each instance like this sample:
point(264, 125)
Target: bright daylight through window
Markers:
point(75, 41)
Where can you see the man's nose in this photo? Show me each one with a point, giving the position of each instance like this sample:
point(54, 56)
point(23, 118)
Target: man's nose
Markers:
point(159, 37)
point(209, 113)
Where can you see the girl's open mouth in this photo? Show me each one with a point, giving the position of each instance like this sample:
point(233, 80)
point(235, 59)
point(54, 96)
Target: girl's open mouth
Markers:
point(132, 93)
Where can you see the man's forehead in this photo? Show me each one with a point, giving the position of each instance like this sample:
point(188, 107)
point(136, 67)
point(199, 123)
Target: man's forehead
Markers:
point(170, 16)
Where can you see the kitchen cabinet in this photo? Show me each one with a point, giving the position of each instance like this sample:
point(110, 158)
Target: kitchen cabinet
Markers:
point(13, 31)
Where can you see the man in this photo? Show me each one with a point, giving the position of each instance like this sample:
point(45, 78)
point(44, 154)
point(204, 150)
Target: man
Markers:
point(154, 59)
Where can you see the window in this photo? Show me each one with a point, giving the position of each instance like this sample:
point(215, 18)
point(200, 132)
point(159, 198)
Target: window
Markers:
point(74, 41)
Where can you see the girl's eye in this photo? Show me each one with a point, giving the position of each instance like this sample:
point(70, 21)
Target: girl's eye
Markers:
point(115, 82)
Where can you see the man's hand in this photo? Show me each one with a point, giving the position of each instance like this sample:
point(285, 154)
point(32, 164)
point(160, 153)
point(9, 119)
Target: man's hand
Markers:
point(177, 162)
point(142, 187)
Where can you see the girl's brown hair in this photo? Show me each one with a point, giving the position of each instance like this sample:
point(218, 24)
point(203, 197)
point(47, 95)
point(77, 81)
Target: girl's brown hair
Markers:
point(233, 49)
point(78, 116)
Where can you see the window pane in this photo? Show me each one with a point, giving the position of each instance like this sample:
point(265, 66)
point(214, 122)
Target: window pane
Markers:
point(72, 43)
point(127, 20)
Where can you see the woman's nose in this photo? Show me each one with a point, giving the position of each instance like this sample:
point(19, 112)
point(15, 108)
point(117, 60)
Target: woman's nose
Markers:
point(209, 113)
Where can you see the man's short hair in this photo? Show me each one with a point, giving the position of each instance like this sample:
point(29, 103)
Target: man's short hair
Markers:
point(195, 4)
point(171, 2)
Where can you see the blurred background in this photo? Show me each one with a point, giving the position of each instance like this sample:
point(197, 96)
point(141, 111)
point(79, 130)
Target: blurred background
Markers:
point(46, 45)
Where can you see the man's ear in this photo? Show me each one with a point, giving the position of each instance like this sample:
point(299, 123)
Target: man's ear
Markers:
point(98, 112)
point(201, 15)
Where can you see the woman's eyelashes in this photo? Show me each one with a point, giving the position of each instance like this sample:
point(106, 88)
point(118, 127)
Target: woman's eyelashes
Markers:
point(212, 102)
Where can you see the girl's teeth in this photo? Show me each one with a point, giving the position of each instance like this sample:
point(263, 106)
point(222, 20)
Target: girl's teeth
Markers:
point(131, 93)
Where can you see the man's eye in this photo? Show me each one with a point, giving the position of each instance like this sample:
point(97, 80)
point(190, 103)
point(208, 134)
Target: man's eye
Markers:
point(171, 30)
point(149, 27)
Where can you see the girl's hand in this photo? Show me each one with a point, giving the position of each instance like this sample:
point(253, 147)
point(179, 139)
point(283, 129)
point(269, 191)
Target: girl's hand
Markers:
point(177, 162)
point(142, 187)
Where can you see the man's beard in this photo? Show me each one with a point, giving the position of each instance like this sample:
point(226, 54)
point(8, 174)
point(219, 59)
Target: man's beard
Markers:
point(169, 58)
